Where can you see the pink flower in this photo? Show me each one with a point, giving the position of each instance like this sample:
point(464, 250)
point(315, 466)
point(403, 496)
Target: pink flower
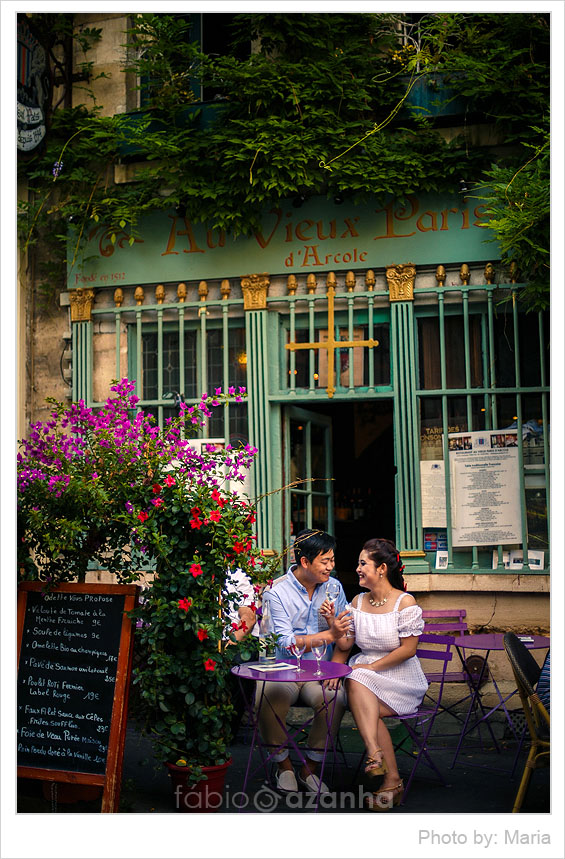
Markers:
point(158, 502)
point(170, 481)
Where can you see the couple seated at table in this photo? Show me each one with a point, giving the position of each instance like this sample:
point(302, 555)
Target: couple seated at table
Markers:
point(386, 678)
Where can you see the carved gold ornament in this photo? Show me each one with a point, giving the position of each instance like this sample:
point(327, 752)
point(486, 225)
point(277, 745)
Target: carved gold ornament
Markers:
point(81, 304)
point(401, 281)
point(254, 288)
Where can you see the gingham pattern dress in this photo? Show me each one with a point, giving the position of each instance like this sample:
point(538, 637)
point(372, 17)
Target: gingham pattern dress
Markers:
point(402, 687)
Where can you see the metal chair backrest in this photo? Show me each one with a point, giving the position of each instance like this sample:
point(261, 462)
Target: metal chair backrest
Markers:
point(438, 649)
point(523, 663)
point(445, 620)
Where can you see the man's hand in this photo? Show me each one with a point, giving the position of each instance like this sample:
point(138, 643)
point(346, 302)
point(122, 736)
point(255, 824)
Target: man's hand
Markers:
point(339, 626)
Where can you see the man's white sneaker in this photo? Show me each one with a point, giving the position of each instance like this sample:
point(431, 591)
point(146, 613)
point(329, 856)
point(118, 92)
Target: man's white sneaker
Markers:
point(311, 782)
point(286, 781)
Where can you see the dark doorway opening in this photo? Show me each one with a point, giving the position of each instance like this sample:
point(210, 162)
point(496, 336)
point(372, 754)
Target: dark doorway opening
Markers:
point(363, 471)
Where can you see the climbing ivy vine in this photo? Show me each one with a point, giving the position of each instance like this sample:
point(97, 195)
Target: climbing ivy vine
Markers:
point(324, 104)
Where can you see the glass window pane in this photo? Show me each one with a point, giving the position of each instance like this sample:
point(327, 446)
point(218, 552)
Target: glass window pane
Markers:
point(428, 353)
point(297, 513)
point(297, 450)
point(318, 452)
point(320, 512)
point(536, 507)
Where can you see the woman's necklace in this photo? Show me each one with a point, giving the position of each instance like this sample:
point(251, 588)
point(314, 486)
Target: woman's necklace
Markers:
point(377, 603)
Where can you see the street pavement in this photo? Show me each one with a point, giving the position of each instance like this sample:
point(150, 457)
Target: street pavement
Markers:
point(471, 787)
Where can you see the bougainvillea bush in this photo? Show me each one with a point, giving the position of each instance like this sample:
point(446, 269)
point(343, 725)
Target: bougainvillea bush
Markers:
point(109, 486)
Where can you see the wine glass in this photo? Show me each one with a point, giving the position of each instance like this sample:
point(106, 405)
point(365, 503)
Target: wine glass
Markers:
point(332, 590)
point(351, 628)
point(298, 651)
point(318, 650)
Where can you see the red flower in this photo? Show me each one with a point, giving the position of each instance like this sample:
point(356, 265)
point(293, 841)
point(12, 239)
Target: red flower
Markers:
point(253, 607)
point(235, 626)
point(196, 512)
point(238, 547)
point(156, 489)
point(196, 570)
point(210, 665)
point(202, 634)
point(243, 626)
point(215, 515)
point(142, 516)
point(218, 498)
point(251, 518)
point(185, 604)
point(195, 523)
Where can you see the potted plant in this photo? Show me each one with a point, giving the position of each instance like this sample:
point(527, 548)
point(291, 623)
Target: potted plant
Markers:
point(109, 486)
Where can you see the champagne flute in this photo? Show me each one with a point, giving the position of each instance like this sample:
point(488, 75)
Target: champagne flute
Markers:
point(318, 650)
point(298, 651)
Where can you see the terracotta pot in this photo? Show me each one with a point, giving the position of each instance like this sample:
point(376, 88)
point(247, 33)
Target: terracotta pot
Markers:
point(206, 795)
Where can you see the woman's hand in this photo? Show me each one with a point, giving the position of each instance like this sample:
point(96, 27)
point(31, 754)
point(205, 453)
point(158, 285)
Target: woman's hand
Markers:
point(371, 666)
point(331, 684)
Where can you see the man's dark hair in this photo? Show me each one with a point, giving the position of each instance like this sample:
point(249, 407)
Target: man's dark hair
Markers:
point(310, 543)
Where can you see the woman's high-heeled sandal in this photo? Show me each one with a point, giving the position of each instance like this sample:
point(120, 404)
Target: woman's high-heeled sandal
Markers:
point(374, 765)
point(385, 798)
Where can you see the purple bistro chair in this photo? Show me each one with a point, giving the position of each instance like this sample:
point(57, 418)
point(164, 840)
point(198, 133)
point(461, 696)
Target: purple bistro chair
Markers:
point(449, 621)
point(420, 723)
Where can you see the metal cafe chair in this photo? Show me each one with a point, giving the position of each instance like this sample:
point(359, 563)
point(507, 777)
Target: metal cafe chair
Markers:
point(448, 621)
point(527, 674)
point(420, 723)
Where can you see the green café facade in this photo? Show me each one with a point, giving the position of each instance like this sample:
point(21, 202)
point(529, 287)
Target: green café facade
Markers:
point(380, 345)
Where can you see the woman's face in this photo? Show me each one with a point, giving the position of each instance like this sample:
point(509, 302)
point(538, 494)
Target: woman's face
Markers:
point(367, 571)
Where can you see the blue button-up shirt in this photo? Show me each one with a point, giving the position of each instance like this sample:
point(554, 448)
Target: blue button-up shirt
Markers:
point(294, 613)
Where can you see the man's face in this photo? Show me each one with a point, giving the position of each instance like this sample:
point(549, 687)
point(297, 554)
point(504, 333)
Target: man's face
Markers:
point(318, 571)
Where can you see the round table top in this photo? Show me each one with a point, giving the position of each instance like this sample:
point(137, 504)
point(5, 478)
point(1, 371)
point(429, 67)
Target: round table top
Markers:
point(330, 671)
point(495, 641)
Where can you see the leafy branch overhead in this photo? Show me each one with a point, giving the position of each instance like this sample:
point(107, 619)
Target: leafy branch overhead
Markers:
point(323, 104)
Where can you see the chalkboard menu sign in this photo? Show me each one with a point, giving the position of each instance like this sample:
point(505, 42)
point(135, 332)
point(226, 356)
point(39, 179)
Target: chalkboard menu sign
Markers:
point(73, 673)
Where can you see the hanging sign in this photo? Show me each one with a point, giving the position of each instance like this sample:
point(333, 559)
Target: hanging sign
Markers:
point(320, 236)
point(485, 488)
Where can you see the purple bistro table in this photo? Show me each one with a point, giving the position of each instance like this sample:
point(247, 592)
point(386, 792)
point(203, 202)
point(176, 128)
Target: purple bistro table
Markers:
point(487, 642)
point(249, 671)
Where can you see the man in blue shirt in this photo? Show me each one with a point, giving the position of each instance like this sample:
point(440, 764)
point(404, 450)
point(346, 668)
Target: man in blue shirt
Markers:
point(294, 605)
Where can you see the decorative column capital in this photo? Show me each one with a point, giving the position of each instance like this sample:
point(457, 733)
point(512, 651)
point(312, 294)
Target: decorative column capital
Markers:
point(81, 304)
point(400, 280)
point(254, 288)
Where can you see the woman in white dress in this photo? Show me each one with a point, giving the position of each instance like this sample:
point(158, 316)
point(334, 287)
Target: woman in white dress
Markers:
point(387, 678)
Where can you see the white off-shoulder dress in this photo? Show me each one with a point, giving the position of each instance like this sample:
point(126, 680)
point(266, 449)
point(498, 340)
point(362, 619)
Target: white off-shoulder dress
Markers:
point(402, 687)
